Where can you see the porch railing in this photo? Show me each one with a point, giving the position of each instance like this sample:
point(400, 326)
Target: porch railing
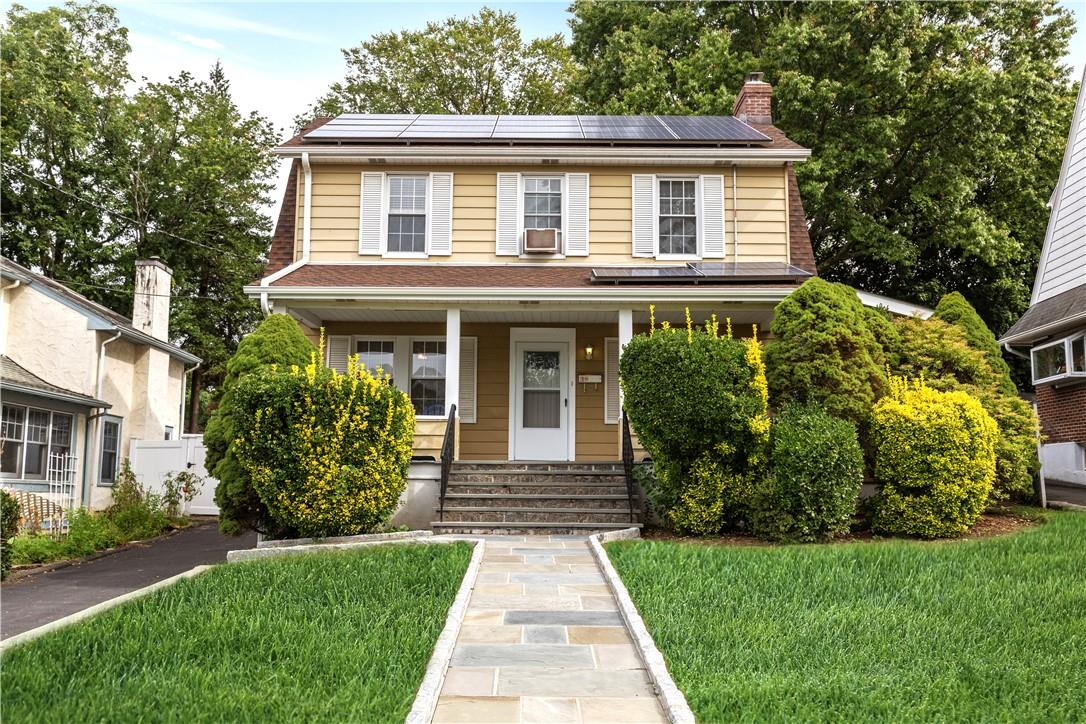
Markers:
point(448, 452)
point(628, 461)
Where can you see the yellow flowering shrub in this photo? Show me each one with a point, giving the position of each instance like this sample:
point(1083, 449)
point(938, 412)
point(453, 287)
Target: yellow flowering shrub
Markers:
point(327, 453)
point(712, 499)
point(935, 460)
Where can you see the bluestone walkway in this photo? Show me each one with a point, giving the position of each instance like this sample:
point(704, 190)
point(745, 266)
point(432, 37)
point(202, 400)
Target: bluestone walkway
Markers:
point(543, 641)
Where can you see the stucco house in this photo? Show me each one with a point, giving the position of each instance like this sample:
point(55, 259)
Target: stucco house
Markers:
point(80, 382)
point(500, 263)
point(1052, 332)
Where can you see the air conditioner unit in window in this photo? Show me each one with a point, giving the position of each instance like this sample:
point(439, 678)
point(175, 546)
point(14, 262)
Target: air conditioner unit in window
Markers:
point(541, 241)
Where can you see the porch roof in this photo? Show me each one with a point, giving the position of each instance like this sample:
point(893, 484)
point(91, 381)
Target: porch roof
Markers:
point(16, 378)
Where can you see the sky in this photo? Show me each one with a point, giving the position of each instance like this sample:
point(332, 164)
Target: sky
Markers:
point(281, 56)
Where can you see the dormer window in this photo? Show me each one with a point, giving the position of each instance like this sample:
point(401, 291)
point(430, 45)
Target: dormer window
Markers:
point(406, 215)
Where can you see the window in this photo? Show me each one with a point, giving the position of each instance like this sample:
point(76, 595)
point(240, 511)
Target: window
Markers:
point(678, 220)
point(428, 377)
point(1063, 358)
point(375, 354)
point(407, 214)
point(111, 449)
point(30, 438)
point(542, 203)
point(169, 433)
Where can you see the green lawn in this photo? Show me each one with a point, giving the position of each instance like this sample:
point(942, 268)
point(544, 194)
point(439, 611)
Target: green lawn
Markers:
point(323, 637)
point(978, 630)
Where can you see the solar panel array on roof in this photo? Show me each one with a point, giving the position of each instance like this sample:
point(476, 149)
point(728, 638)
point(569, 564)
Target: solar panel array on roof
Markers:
point(644, 129)
point(701, 273)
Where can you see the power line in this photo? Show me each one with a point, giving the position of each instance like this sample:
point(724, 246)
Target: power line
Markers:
point(134, 292)
point(112, 212)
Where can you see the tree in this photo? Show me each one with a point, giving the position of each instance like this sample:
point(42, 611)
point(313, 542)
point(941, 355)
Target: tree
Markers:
point(954, 309)
point(823, 351)
point(278, 340)
point(478, 64)
point(937, 128)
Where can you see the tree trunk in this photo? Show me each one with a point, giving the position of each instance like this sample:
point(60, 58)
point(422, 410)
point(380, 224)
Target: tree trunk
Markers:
point(192, 422)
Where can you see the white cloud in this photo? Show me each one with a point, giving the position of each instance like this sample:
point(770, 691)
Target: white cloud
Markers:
point(206, 43)
point(194, 16)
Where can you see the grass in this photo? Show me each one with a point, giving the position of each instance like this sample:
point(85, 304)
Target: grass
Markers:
point(979, 630)
point(323, 637)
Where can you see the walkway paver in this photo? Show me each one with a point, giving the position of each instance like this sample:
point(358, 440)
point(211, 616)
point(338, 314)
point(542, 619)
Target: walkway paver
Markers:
point(543, 641)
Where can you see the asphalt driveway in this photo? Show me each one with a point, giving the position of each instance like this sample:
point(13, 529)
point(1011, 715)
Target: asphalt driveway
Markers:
point(37, 599)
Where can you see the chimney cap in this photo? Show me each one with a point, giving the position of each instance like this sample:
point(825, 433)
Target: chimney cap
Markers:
point(755, 76)
point(154, 261)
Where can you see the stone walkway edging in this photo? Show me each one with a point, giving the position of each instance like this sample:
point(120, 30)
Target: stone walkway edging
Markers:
point(365, 537)
point(425, 704)
point(672, 700)
point(98, 608)
point(256, 554)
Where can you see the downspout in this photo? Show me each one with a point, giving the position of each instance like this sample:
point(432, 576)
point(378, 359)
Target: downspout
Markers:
point(735, 213)
point(184, 386)
point(98, 395)
point(1007, 347)
point(307, 218)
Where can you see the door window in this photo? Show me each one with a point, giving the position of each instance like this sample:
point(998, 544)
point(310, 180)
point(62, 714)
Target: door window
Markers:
point(542, 406)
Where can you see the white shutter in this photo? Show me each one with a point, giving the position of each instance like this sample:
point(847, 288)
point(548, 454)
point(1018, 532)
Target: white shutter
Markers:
point(612, 410)
point(712, 216)
point(468, 378)
point(440, 218)
point(338, 350)
point(508, 232)
point(576, 214)
point(644, 215)
point(371, 219)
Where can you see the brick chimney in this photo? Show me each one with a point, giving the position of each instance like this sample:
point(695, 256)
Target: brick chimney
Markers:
point(754, 102)
point(151, 302)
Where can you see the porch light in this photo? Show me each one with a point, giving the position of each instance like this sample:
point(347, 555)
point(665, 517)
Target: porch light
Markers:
point(588, 351)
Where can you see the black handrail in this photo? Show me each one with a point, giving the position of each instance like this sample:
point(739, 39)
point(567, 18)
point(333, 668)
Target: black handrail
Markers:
point(628, 461)
point(448, 452)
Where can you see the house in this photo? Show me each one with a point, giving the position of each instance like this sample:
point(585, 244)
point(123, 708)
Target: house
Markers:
point(1052, 332)
point(501, 262)
point(80, 382)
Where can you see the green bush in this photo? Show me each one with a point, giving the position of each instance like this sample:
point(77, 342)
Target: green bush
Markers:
point(817, 470)
point(712, 498)
point(954, 309)
point(823, 351)
point(697, 401)
point(136, 512)
point(36, 548)
point(278, 340)
point(935, 460)
point(89, 532)
point(327, 453)
point(9, 526)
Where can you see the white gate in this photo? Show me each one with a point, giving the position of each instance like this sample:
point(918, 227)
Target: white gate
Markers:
point(152, 460)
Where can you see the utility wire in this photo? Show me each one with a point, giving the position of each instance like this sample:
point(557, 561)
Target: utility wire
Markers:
point(134, 292)
point(112, 212)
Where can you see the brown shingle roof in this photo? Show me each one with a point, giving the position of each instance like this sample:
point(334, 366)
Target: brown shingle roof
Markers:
point(1068, 306)
point(281, 253)
point(799, 240)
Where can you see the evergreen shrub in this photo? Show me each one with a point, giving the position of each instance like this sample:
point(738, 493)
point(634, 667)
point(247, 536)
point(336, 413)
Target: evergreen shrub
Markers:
point(9, 526)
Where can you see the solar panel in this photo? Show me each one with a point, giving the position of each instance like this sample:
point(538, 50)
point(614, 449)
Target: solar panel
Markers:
point(711, 128)
point(636, 128)
point(701, 273)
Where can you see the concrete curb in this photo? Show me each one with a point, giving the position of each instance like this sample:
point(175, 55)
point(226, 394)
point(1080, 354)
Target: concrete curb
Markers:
point(1060, 505)
point(425, 704)
point(366, 537)
point(674, 703)
point(257, 554)
point(97, 609)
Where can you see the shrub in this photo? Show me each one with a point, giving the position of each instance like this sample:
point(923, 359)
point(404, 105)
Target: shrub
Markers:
point(278, 340)
point(711, 499)
point(935, 460)
point(9, 526)
point(697, 400)
point(89, 532)
point(823, 351)
point(954, 309)
point(36, 548)
point(178, 489)
point(136, 512)
point(327, 453)
point(817, 470)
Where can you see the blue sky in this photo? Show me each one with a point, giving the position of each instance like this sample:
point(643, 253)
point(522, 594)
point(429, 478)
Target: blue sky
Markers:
point(281, 56)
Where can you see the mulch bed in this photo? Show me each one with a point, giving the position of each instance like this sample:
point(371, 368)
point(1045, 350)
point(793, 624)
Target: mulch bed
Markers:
point(993, 523)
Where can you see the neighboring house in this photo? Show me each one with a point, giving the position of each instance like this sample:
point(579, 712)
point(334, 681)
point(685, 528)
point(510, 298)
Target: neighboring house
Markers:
point(80, 382)
point(1053, 329)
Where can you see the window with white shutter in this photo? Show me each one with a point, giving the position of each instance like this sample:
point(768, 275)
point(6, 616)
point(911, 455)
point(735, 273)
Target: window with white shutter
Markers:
point(612, 406)
point(644, 215)
point(371, 218)
point(509, 215)
point(441, 212)
point(576, 214)
point(337, 350)
point(469, 359)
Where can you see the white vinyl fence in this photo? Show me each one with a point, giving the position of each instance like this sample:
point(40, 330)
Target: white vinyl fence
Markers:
point(152, 460)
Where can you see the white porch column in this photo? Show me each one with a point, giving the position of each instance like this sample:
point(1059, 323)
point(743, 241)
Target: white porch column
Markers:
point(625, 334)
point(452, 359)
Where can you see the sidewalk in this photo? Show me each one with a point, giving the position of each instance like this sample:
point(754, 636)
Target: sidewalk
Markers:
point(37, 599)
point(543, 641)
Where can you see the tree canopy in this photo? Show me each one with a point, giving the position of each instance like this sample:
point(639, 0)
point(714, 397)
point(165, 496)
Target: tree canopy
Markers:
point(937, 128)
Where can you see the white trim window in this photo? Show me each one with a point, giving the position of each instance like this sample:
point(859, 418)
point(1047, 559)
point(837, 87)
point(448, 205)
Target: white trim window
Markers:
point(543, 202)
point(377, 354)
point(677, 218)
point(407, 205)
point(1062, 359)
point(30, 437)
point(110, 446)
point(427, 389)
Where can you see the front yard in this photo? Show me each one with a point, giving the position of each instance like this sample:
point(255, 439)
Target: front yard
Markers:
point(978, 630)
point(322, 637)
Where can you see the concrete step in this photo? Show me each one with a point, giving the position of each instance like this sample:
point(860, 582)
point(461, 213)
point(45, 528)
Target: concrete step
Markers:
point(555, 467)
point(536, 515)
point(535, 489)
point(517, 528)
point(563, 477)
point(501, 500)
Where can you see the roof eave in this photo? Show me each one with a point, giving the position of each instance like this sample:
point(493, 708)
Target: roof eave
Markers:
point(1027, 337)
point(640, 155)
point(57, 395)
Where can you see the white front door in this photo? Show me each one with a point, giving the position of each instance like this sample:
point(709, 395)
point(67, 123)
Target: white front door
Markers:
point(542, 401)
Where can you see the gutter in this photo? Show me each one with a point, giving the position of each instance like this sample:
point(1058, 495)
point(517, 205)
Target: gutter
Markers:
point(307, 227)
point(75, 399)
point(1011, 350)
point(538, 155)
point(1044, 330)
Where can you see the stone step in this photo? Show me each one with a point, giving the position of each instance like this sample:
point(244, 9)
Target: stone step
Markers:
point(518, 528)
point(565, 477)
point(533, 515)
point(500, 500)
point(535, 489)
point(555, 467)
